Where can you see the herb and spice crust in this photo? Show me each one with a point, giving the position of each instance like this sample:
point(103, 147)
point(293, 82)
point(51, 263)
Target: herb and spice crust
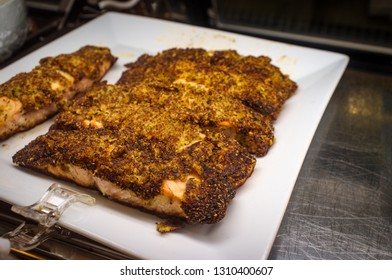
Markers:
point(30, 98)
point(176, 136)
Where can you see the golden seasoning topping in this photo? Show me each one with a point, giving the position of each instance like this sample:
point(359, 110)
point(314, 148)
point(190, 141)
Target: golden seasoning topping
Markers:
point(92, 124)
point(253, 80)
point(48, 87)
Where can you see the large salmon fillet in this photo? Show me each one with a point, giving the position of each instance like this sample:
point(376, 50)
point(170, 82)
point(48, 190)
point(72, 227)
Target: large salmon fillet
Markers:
point(136, 153)
point(255, 81)
point(30, 98)
point(176, 136)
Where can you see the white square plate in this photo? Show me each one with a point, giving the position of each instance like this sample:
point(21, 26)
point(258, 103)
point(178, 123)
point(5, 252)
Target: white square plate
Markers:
point(252, 221)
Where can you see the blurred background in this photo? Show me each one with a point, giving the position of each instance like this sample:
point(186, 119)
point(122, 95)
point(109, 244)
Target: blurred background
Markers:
point(359, 28)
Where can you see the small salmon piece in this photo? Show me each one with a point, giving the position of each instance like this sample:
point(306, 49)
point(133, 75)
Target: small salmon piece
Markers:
point(30, 98)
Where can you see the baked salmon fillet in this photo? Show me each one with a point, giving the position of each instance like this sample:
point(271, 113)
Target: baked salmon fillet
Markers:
point(176, 136)
point(255, 81)
point(32, 97)
point(137, 154)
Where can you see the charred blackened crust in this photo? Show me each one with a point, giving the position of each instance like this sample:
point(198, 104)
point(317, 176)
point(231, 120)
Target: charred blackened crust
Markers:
point(206, 202)
point(138, 167)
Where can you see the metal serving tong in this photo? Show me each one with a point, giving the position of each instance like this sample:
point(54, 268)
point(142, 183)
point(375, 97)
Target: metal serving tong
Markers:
point(43, 217)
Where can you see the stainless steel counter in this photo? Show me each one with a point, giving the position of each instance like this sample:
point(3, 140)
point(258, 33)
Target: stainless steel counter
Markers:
point(341, 205)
